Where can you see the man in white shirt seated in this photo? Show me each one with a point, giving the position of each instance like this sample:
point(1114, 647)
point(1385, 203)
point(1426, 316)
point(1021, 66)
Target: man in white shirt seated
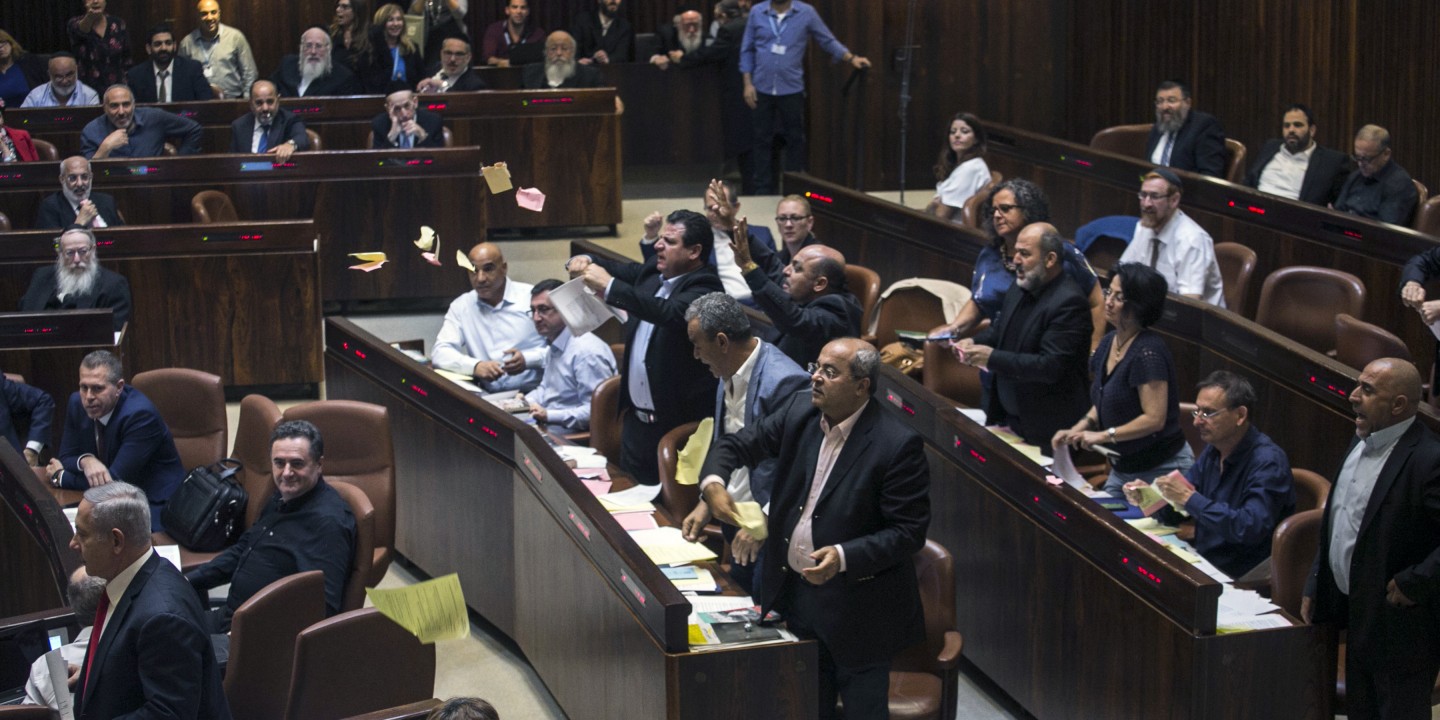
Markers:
point(487, 333)
point(1167, 240)
point(574, 366)
point(1297, 167)
point(84, 594)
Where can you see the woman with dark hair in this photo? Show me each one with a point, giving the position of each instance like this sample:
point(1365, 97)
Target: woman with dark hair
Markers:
point(1011, 206)
point(391, 57)
point(961, 170)
point(101, 46)
point(350, 32)
point(1135, 402)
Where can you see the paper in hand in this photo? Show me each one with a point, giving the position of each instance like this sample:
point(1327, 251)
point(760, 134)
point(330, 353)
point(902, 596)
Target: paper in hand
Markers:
point(369, 261)
point(497, 177)
point(579, 308)
point(530, 199)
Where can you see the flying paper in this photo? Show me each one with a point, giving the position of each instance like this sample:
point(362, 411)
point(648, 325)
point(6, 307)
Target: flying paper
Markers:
point(530, 199)
point(463, 261)
point(497, 176)
point(430, 242)
point(369, 261)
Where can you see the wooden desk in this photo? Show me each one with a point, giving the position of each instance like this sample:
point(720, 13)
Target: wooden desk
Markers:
point(37, 559)
point(47, 347)
point(1075, 614)
point(538, 557)
point(240, 301)
point(362, 200)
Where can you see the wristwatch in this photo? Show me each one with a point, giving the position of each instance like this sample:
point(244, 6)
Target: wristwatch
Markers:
point(1111, 431)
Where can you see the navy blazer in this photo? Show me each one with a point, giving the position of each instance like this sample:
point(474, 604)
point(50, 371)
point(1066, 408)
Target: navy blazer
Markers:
point(56, 212)
point(774, 378)
point(28, 405)
point(187, 81)
point(111, 290)
point(428, 121)
point(139, 448)
point(875, 506)
point(284, 127)
point(1323, 176)
point(1199, 145)
point(1399, 538)
point(154, 658)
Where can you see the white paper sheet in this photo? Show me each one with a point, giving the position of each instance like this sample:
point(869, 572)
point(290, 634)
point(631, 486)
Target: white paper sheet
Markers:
point(579, 307)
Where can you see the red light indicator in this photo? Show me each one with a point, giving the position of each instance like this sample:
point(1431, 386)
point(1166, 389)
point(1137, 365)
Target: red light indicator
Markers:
point(1084, 163)
point(821, 198)
point(420, 390)
point(361, 355)
point(1256, 210)
point(436, 106)
point(489, 432)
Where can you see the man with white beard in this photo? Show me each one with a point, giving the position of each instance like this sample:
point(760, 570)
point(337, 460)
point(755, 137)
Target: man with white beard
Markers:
point(680, 39)
point(64, 88)
point(75, 204)
point(560, 69)
point(77, 282)
point(311, 72)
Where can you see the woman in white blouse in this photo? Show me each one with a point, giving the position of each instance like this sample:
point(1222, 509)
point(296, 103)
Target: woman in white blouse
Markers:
point(961, 170)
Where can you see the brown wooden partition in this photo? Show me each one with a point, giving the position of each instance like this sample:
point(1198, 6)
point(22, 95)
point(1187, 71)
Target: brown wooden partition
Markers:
point(37, 560)
point(46, 349)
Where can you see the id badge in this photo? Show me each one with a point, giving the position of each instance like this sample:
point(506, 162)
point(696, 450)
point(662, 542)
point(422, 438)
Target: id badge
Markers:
point(777, 49)
point(209, 71)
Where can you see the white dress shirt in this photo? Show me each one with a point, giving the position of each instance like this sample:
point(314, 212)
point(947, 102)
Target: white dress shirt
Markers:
point(1353, 488)
point(1285, 172)
point(1187, 258)
point(737, 387)
point(164, 85)
point(475, 331)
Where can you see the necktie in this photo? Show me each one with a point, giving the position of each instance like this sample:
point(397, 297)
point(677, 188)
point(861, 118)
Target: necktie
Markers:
point(264, 143)
point(95, 631)
point(162, 95)
point(406, 141)
point(1169, 145)
point(1154, 251)
point(100, 443)
point(397, 65)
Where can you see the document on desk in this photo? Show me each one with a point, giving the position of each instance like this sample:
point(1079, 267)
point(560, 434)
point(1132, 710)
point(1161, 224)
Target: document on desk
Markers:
point(464, 381)
point(579, 307)
point(431, 610)
point(667, 546)
point(1064, 468)
point(644, 520)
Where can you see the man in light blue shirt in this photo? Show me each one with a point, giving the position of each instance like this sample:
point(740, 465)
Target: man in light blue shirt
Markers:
point(487, 333)
point(64, 88)
point(772, 63)
point(574, 366)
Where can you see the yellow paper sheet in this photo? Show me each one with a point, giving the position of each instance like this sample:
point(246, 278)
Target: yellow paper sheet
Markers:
point(369, 257)
point(463, 261)
point(1184, 554)
point(615, 507)
point(497, 176)
point(453, 376)
point(427, 238)
point(1151, 526)
point(666, 546)
point(692, 458)
point(752, 518)
point(432, 610)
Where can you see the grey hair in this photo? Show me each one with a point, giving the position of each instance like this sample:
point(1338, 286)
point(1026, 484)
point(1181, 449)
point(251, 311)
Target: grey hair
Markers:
point(1031, 200)
point(114, 369)
point(124, 507)
point(1375, 134)
point(720, 313)
point(87, 232)
point(1051, 242)
point(866, 364)
point(84, 597)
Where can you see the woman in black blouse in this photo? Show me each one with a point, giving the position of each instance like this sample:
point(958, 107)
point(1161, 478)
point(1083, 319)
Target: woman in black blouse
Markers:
point(1135, 405)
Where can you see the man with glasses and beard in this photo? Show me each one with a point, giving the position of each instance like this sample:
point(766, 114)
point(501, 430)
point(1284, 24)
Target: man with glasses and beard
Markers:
point(1378, 189)
point(312, 72)
point(77, 282)
point(560, 69)
point(75, 204)
point(1182, 138)
point(1171, 243)
point(64, 88)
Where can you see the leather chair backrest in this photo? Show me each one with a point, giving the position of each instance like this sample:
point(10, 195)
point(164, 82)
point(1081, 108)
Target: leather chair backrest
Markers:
point(262, 643)
point(4, 222)
point(258, 418)
point(363, 562)
point(1358, 342)
point(45, 150)
point(1187, 426)
point(317, 144)
point(28, 712)
point(1301, 302)
point(357, 662)
point(1234, 160)
point(1422, 196)
point(359, 449)
point(1237, 265)
point(864, 283)
point(192, 404)
point(970, 211)
point(946, 377)
point(409, 711)
point(908, 309)
point(212, 206)
point(1427, 218)
point(675, 499)
point(1311, 490)
point(1123, 140)
point(1292, 554)
point(605, 418)
point(935, 570)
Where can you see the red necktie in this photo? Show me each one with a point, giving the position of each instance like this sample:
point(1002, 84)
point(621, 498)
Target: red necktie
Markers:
point(95, 631)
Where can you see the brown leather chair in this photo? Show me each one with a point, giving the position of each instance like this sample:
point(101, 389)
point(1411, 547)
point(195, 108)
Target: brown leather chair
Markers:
point(1292, 554)
point(357, 662)
point(1311, 490)
point(864, 283)
point(678, 500)
point(1237, 265)
point(262, 643)
point(4, 222)
point(970, 212)
point(359, 450)
point(1427, 217)
point(212, 206)
point(1123, 140)
point(1234, 160)
point(28, 712)
point(907, 309)
point(216, 92)
point(316, 143)
point(1422, 196)
point(362, 563)
point(192, 404)
point(1358, 342)
point(923, 678)
point(258, 417)
point(946, 377)
point(409, 711)
point(1301, 302)
point(449, 138)
point(45, 150)
point(605, 421)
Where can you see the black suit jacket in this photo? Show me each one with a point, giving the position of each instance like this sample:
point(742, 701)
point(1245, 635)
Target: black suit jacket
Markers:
point(187, 81)
point(802, 330)
point(284, 127)
point(154, 658)
point(1199, 145)
point(340, 81)
point(468, 81)
point(111, 290)
point(875, 506)
point(681, 385)
point(585, 76)
point(26, 408)
point(139, 448)
point(55, 211)
point(1323, 176)
point(1037, 381)
point(1399, 538)
point(618, 44)
point(428, 121)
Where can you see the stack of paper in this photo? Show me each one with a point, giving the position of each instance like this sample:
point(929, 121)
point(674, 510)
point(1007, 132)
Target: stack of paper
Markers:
point(667, 546)
point(1242, 610)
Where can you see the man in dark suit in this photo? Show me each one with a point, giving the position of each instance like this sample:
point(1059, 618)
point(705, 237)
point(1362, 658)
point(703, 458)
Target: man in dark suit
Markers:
point(77, 282)
point(76, 204)
point(149, 655)
point(1307, 171)
point(686, 35)
point(1377, 572)
point(313, 72)
point(452, 73)
point(724, 52)
point(560, 69)
point(1182, 138)
point(280, 133)
point(756, 379)
point(603, 36)
point(25, 407)
point(811, 304)
point(114, 432)
point(182, 78)
point(405, 125)
point(849, 510)
point(1037, 351)
point(1379, 188)
point(663, 384)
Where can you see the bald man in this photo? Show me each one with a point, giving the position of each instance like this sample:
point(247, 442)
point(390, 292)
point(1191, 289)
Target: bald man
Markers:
point(810, 306)
point(1377, 572)
point(222, 51)
point(268, 128)
point(487, 333)
point(560, 69)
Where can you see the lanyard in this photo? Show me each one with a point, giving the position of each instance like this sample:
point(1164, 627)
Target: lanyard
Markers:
point(776, 27)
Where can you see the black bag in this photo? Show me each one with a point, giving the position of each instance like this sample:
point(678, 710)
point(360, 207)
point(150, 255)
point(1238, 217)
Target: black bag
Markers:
point(206, 512)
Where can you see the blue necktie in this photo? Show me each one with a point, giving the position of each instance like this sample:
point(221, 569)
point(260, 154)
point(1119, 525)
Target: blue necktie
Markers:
point(264, 139)
point(1169, 145)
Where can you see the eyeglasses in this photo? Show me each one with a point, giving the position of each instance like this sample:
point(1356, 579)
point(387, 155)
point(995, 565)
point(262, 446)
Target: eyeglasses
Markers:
point(1153, 196)
point(1366, 159)
point(829, 372)
point(789, 219)
point(79, 254)
point(1113, 295)
point(541, 310)
point(1005, 209)
point(312, 46)
point(1197, 413)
